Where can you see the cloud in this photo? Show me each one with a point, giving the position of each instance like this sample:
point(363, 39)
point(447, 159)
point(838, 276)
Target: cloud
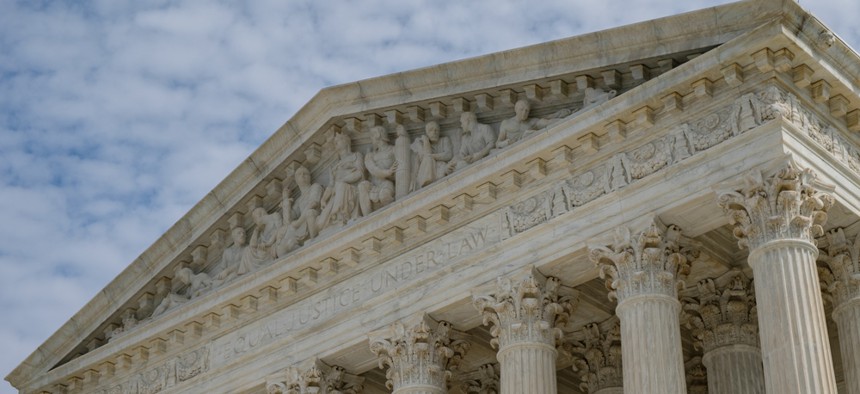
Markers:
point(116, 117)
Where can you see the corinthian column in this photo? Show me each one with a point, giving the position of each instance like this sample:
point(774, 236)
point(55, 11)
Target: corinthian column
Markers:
point(527, 316)
point(841, 279)
point(722, 315)
point(420, 357)
point(642, 272)
point(777, 218)
point(318, 378)
point(596, 351)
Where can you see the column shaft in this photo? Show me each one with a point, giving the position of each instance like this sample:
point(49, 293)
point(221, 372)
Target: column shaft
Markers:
point(847, 317)
point(734, 369)
point(651, 345)
point(795, 347)
point(528, 368)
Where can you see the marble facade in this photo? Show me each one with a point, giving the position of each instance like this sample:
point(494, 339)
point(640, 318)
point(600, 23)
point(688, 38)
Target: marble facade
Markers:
point(664, 207)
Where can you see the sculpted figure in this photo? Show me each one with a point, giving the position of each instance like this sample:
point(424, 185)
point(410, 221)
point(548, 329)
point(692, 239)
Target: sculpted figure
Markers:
point(477, 141)
point(433, 153)
point(299, 217)
point(513, 129)
point(340, 201)
point(239, 258)
point(403, 158)
point(596, 96)
point(267, 229)
point(184, 286)
point(382, 166)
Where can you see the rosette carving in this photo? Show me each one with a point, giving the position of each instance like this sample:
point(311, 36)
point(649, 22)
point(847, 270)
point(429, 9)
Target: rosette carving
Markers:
point(785, 205)
point(653, 261)
point(721, 312)
point(420, 355)
point(528, 310)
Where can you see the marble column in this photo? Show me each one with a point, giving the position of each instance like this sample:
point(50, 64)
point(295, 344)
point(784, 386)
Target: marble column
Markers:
point(777, 217)
point(419, 357)
point(596, 353)
point(527, 315)
point(721, 313)
point(317, 378)
point(841, 283)
point(642, 271)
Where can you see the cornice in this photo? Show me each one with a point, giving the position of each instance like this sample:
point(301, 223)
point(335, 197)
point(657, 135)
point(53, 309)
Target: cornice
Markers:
point(475, 188)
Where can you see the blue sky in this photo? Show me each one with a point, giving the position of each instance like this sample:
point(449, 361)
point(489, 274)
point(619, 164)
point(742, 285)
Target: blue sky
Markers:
point(116, 117)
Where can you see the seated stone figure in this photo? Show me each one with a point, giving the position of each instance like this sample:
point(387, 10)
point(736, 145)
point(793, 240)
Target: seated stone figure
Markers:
point(475, 144)
point(239, 258)
point(267, 227)
point(513, 129)
point(340, 201)
point(299, 217)
point(381, 165)
point(433, 152)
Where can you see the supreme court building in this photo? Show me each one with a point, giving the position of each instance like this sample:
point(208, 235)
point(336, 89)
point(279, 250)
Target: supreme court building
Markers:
point(667, 207)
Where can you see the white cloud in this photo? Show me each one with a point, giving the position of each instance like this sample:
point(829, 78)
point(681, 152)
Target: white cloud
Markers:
point(116, 117)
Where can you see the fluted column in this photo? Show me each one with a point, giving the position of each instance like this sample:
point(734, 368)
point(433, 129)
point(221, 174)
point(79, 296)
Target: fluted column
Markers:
point(317, 378)
point(527, 316)
point(841, 283)
point(419, 357)
point(596, 352)
point(642, 272)
point(777, 217)
point(721, 313)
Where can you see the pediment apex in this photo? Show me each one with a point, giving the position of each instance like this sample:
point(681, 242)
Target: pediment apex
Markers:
point(686, 32)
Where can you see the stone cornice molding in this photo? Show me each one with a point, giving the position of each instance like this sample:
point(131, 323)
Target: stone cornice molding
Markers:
point(421, 354)
point(530, 309)
point(787, 204)
point(721, 312)
point(652, 261)
point(285, 285)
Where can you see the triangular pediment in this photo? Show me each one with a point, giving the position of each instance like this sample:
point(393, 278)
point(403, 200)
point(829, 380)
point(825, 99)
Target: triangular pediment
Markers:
point(196, 275)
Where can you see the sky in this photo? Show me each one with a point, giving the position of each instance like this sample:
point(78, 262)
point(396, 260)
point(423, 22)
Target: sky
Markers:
point(117, 116)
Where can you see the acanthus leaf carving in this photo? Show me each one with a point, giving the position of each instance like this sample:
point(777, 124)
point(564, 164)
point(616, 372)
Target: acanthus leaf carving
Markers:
point(784, 205)
point(424, 354)
point(531, 309)
point(652, 261)
point(840, 275)
point(318, 378)
point(596, 355)
point(721, 312)
point(484, 380)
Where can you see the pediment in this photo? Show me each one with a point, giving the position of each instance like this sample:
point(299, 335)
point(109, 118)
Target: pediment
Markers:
point(569, 84)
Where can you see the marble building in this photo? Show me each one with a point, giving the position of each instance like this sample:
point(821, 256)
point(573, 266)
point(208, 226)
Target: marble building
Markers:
point(665, 207)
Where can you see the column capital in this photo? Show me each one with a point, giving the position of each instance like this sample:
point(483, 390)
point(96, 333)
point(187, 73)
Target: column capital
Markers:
point(484, 380)
point(317, 378)
point(697, 376)
point(422, 354)
point(787, 204)
point(650, 262)
point(721, 312)
point(840, 277)
point(526, 310)
point(596, 353)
